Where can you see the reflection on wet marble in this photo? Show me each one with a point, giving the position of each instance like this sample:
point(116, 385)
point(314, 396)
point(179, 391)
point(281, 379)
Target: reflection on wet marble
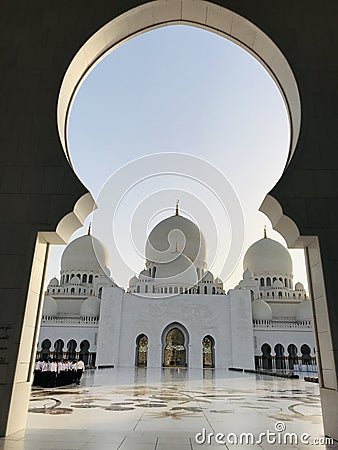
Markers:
point(158, 409)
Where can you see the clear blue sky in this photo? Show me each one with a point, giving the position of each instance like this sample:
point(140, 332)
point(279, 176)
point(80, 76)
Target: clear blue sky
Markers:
point(181, 89)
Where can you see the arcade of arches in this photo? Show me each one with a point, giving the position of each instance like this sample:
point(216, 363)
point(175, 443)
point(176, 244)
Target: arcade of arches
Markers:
point(175, 354)
point(284, 360)
point(43, 201)
point(59, 351)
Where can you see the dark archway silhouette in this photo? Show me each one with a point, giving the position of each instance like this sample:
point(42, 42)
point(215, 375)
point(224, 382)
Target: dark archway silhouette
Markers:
point(279, 358)
point(84, 351)
point(58, 349)
point(71, 349)
point(306, 354)
point(293, 358)
point(45, 349)
point(266, 357)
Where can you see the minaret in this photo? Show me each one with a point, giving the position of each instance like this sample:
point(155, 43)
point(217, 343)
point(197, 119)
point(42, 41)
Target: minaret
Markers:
point(264, 231)
point(177, 202)
point(89, 229)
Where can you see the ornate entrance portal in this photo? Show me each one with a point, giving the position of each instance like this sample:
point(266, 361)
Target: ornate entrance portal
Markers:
point(175, 351)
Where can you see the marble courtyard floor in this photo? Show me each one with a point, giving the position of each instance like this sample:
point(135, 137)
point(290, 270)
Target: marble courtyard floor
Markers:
point(155, 409)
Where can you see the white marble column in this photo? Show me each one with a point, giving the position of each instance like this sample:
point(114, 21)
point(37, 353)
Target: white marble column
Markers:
point(18, 340)
point(325, 353)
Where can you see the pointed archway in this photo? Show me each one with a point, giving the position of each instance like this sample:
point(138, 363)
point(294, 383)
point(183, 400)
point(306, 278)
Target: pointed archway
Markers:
point(141, 356)
point(208, 350)
point(44, 202)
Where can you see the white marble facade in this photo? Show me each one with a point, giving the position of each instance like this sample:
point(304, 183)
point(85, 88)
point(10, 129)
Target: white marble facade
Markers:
point(175, 313)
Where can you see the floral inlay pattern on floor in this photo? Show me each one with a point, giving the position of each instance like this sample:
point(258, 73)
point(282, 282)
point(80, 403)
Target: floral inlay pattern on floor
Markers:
point(180, 402)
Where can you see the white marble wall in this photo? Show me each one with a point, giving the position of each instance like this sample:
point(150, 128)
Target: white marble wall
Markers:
point(241, 329)
point(227, 318)
point(110, 323)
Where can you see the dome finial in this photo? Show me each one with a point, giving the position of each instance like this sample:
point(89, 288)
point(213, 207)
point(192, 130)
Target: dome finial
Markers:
point(177, 202)
point(264, 231)
point(89, 229)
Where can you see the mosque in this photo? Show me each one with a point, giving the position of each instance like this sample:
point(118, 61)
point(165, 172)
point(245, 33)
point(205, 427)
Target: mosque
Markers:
point(175, 313)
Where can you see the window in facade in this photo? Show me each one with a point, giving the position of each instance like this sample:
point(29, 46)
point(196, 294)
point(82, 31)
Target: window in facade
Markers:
point(208, 345)
point(175, 351)
point(141, 350)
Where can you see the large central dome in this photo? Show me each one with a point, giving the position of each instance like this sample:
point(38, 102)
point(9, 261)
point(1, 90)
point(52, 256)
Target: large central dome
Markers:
point(176, 234)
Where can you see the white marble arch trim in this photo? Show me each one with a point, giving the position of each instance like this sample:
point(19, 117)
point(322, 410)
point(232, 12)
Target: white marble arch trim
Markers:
point(71, 221)
point(199, 13)
point(324, 346)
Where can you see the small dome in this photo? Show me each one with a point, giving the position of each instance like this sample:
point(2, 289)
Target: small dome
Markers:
point(75, 280)
point(268, 256)
point(261, 310)
point(176, 233)
point(49, 306)
point(87, 254)
point(218, 281)
point(133, 281)
point(90, 307)
point(144, 275)
point(53, 282)
point(247, 275)
point(277, 284)
point(180, 271)
point(299, 287)
point(208, 276)
point(304, 311)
